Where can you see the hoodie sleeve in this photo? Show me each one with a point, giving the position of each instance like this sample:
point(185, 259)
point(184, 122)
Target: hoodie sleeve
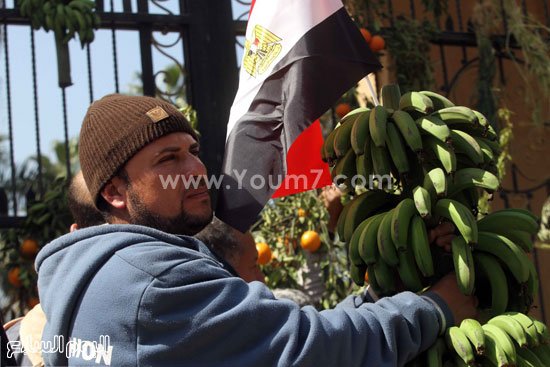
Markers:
point(207, 318)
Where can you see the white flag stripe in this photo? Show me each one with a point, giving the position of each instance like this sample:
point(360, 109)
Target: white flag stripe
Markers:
point(287, 19)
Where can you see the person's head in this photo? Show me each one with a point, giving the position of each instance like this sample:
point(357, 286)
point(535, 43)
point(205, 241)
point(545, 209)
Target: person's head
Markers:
point(130, 150)
point(81, 205)
point(236, 248)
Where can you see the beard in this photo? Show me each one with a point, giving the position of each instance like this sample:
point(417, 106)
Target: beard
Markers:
point(183, 223)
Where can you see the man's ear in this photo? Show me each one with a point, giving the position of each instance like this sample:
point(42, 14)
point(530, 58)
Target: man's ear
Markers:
point(114, 193)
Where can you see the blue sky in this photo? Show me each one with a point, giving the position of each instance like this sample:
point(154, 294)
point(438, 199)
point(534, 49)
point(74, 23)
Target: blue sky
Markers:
point(50, 110)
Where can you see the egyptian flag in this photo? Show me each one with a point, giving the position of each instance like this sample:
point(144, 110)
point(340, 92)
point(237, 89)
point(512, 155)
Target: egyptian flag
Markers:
point(300, 56)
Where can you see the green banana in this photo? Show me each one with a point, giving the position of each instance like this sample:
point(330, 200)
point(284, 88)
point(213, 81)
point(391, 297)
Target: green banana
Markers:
point(494, 145)
point(360, 132)
point(401, 218)
point(443, 153)
point(488, 155)
point(343, 171)
point(353, 246)
point(361, 169)
point(377, 125)
point(416, 102)
point(474, 177)
point(528, 358)
point(526, 212)
point(457, 341)
point(503, 340)
point(532, 283)
point(342, 140)
point(357, 273)
point(340, 224)
point(504, 249)
point(396, 147)
point(373, 283)
point(352, 115)
point(461, 216)
point(418, 241)
point(434, 354)
point(543, 354)
point(328, 146)
point(439, 102)
point(528, 326)
point(384, 277)
point(362, 207)
point(386, 247)
point(391, 94)
point(542, 331)
point(433, 126)
point(407, 271)
point(422, 202)
point(368, 163)
point(464, 143)
point(494, 352)
point(512, 327)
point(510, 219)
point(457, 115)
point(520, 238)
point(409, 130)
point(473, 331)
point(464, 265)
point(380, 160)
point(435, 182)
point(368, 248)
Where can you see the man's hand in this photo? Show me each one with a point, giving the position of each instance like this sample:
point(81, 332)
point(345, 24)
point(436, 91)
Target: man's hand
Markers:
point(462, 307)
point(331, 198)
point(442, 235)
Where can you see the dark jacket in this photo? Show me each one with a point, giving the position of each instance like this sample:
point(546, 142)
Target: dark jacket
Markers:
point(126, 295)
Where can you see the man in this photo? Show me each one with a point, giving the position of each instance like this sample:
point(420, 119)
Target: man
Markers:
point(81, 204)
point(237, 248)
point(134, 293)
point(28, 330)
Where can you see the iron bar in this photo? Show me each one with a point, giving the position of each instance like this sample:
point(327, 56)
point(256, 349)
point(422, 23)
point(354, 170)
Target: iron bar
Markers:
point(90, 80)
point(10, 122)
point(413, 13)
point(461, 28)
point(66, 131)
point(115, 61)
point(36, 116)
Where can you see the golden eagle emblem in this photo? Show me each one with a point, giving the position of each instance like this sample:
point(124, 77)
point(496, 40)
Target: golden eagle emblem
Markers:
point(260, 51)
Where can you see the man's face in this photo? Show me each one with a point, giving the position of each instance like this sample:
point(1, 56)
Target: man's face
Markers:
point(178, 209)
point(246, 260)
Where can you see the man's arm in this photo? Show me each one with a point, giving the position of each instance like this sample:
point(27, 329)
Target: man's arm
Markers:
point(197, 315)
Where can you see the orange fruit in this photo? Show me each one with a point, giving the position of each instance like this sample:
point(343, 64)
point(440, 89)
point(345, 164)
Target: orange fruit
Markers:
point(310, 241)
point(342, 109)
point(377, 43)
point(302, 212)
point(33, 302)
point(29, 249)
point(13, 277)
point(264, 253)
point(366, 34)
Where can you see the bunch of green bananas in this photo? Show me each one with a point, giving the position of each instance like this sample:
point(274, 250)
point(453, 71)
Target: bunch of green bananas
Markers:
point(64, 17)
point(437, 157)
point(509, 339)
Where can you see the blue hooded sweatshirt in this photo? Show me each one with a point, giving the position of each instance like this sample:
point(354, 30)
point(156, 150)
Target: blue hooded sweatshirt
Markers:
point(126, 295)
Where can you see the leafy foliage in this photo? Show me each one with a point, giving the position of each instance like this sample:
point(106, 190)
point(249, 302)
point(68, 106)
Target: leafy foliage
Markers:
point(282, 223)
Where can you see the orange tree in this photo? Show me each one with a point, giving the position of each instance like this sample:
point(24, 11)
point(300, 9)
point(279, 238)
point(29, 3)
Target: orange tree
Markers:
point(282, 225)
point(47, 218)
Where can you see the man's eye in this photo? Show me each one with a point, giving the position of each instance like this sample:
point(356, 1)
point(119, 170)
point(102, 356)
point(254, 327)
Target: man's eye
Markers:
point(167, 158)
point(195, 152)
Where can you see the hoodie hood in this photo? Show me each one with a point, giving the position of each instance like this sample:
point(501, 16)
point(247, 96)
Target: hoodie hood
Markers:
point(67, 264)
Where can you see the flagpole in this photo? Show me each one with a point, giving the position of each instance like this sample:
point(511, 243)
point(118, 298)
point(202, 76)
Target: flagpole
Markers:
point(375, 100)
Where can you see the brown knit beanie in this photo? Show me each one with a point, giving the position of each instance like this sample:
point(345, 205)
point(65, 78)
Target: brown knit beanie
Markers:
point(116, 127)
